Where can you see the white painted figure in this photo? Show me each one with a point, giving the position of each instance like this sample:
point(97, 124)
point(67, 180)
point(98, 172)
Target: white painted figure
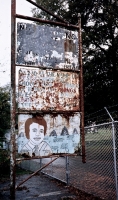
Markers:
point(35, 130)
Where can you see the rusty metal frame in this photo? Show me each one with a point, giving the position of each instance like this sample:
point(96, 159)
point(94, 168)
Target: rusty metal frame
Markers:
point(13, 97)
point(81, 91)
point(69, 26)
point(51, 156)
point(36, 172)
point(62, 23)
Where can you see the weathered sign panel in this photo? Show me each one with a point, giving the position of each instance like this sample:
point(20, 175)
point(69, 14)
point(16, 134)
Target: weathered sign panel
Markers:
point(48, 90)
point(46, 135)
point(46, 46)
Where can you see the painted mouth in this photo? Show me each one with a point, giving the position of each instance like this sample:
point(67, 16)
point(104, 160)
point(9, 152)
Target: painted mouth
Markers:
point(37, 138)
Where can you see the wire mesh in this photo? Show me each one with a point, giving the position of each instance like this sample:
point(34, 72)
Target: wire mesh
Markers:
point(96, 176)
point(57, 169)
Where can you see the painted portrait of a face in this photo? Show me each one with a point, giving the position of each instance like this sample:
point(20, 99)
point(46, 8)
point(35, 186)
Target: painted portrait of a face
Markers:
point(36, 133)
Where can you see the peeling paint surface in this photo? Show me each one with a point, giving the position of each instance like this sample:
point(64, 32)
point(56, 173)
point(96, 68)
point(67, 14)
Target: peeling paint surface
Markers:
point(48, 90)
point(46, 46)
point(62, 135)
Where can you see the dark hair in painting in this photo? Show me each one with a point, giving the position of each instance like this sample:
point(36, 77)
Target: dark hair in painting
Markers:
point(38, 120)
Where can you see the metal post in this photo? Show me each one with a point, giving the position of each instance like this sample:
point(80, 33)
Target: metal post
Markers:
point(81, 90)
point(67, 170)
point(13, 111)
point(114, 152)
point(40, 162)
point(52, 168)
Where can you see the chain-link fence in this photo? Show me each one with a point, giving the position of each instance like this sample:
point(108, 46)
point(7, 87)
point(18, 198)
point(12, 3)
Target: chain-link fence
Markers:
point(98, 176)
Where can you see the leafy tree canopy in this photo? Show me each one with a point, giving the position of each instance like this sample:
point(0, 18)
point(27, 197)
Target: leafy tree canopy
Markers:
point(55, 6)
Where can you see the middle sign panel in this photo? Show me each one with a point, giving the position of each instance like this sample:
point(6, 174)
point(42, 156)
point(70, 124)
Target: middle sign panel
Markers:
point(48, 90)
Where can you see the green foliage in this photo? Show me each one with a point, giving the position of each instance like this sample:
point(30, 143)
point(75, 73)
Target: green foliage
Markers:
point(4, 110)
point(4, 163)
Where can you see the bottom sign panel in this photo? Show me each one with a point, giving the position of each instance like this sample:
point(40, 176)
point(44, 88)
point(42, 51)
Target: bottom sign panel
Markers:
point(48, 134)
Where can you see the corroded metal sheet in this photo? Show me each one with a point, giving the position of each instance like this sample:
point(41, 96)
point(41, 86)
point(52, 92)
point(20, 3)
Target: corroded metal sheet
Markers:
point(43, 136)
point(48, 90)
point(46, 46)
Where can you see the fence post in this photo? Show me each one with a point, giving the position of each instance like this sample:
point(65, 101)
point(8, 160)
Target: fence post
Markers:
point(67, 170)
point(40, 162)
point(51, 168)
point(114, 152)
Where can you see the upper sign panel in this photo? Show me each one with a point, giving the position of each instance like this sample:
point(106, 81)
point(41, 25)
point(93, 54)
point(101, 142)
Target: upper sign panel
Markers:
point(46, 46)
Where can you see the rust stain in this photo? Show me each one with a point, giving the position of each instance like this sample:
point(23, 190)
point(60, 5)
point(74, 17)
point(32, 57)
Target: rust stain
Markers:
point(48, 90)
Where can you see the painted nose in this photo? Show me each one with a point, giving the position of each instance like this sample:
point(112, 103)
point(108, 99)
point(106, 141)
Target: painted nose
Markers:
point(37, 133)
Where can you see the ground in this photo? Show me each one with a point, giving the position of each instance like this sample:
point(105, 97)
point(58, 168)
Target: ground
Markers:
point(41, 187)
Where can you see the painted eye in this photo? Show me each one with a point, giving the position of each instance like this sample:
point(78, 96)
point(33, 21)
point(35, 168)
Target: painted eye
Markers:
point(34, 130)
point(41, 131)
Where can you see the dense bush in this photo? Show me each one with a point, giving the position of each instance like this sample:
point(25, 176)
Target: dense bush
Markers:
point(4, 110)
point(4, 163)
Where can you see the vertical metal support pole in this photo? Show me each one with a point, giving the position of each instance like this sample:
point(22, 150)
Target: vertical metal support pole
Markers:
point(114, 152)
point(81, 90)
point(13, 96)
point(51, 167)
point(67, 170)
point(115, 164)
point(40, 162)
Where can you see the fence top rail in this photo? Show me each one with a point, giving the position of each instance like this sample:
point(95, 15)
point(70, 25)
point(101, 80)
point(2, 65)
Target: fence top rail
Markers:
point(97, 125)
